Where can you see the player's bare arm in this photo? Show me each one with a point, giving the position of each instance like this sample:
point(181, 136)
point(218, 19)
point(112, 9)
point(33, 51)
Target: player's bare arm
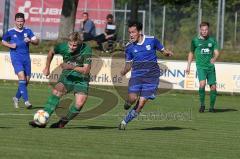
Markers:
point(7, 44)
point(126, 69)
point(46, 70)
point(216, 54)
point(84, 70)
point(190, 59)
point(33, 40)
point(167, 52)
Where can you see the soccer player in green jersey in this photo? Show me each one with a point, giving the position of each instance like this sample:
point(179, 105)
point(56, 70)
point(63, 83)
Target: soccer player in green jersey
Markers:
point(74, 78)
point(205, 49)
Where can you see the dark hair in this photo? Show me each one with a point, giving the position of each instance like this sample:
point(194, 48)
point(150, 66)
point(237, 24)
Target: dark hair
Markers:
point(136, 24)
point(204, 24)
point(85, 13)
point(19, 15)
point(110, 16)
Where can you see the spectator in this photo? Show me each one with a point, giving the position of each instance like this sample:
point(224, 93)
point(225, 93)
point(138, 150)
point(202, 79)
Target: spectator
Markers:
point(109, 34)
point(88, 28)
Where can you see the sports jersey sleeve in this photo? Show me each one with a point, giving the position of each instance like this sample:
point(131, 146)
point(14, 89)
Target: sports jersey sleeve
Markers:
point(128, 55)
point(87, 56)
point(158, 45)
point(6, 37)
point(31, 35)
point(57, 49)
point(192, 46)
point(215, 45)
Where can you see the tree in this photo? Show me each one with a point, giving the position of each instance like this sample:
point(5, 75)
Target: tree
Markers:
point(134, 10)
point(68, 16)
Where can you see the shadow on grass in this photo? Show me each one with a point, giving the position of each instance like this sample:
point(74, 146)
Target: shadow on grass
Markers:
point(167, 128)
point(4, 127)
point(92, 127)
point(33, 108)
point(225, 110)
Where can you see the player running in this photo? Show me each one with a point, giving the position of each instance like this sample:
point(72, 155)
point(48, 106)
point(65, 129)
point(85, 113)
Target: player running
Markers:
point(205, 49)
point(75, 77)
point(18, 40)
point(141, 57)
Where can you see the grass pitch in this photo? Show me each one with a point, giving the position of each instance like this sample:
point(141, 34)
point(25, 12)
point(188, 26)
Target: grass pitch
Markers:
point(169, 127)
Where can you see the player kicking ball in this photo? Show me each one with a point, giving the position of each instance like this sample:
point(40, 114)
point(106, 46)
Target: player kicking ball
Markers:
point(141, 59)
point(74, 77)
point(205, 50)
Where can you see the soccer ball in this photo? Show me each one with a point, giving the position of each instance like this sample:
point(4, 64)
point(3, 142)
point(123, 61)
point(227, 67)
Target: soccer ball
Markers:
point(41, 117)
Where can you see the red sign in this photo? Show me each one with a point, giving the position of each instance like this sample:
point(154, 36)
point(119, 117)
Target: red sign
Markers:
point(48, 12)
point(97, 10)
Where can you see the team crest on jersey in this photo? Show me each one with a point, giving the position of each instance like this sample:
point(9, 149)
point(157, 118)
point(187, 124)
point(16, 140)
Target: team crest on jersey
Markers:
point(209, 44)
point(135, 50)
point(148, 47)
point(14, 35)
point(25, 35)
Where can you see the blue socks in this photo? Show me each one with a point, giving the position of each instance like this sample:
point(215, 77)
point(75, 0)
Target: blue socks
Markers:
point(18, 94)
point(130, 116)
point(22, 88)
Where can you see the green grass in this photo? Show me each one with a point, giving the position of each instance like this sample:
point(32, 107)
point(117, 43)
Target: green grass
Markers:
point(169, 127)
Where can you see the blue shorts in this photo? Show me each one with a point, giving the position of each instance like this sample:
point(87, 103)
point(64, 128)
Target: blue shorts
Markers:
point(144, 87)
point(22, 65)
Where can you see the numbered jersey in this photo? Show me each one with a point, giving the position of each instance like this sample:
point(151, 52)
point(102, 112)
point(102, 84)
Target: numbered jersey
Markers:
point(203, 50)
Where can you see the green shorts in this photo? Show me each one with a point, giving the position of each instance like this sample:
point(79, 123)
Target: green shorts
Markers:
point(75, 84)
point(207, 74)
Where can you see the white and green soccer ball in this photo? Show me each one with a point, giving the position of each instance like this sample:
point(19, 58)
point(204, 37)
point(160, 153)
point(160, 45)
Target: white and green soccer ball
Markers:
point(41, 117)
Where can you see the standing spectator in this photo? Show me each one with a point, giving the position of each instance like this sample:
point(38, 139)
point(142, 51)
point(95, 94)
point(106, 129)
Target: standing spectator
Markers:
point(88, 28)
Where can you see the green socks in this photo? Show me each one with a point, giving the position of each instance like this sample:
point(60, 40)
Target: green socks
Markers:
point(51, 104)
point(72, 113)
point(213, 95)
point(202, 96)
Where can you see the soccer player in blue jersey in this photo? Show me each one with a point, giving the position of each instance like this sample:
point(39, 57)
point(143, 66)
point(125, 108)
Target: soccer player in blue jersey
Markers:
point(17, 39)
point(141, 59)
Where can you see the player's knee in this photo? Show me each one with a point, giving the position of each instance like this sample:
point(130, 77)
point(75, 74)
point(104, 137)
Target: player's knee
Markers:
point(132, 99)
point(57, 93)
point(79, 104)
point(202, 85)
point(213, 87)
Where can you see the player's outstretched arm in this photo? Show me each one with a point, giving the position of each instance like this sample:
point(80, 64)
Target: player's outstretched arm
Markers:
point(46, 70)
point(190, 59)
point(126, 69)
point(167, 52)
point(35, 41)
point(216, 54)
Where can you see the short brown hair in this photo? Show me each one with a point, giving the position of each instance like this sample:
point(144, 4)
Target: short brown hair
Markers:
point(204, 24)
point(86, 13)
point(19, 15)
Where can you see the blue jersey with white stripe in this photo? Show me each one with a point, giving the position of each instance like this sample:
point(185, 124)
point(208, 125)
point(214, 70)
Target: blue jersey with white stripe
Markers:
point(17, 36)
point(143, 57)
